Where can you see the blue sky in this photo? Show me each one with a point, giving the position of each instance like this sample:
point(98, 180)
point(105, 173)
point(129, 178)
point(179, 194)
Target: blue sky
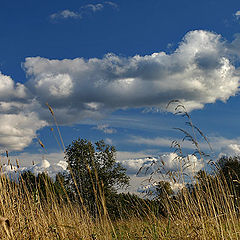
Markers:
point(108, 69)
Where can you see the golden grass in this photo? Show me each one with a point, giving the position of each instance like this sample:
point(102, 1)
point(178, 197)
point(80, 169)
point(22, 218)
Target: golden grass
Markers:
point(209, 213)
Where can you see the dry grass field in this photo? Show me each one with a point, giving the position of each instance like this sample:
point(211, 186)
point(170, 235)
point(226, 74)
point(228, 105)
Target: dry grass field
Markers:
point(209, 211)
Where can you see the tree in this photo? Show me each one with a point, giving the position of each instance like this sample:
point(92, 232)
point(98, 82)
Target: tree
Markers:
point(59, 186)
point(163, 189)
point(29, 179)
point(39, 186)
point(124, 205)
point(94, 172)
point(230, 169)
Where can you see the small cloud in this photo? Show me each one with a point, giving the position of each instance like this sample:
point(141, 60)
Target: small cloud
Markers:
point(69, 14)
point(163, 142)
point(151, 188)
point(65, 14)
point(86, 9)
point(109, 141)
point(169, 45)
point(237, 14)
point(112, 4)
point(94, 7)
point(105, 128)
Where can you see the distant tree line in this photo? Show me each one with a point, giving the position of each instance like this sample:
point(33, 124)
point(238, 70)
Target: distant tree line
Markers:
point(93, 179)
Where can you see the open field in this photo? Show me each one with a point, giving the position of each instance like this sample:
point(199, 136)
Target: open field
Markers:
point(209, 211)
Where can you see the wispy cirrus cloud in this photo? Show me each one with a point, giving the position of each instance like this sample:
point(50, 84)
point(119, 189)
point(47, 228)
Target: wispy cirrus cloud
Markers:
point(168, 142)
point(105, 128)
point(158, 141)
point(83, 11)
point(219, 144)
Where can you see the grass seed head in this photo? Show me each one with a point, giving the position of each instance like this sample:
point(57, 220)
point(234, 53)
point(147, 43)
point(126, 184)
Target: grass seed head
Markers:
point(50, 109)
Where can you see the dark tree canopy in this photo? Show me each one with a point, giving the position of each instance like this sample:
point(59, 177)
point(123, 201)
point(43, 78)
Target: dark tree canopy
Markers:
point(163, 190)
point(94, 169)
point(39, 186)
point(230, 165)
point(230, 169)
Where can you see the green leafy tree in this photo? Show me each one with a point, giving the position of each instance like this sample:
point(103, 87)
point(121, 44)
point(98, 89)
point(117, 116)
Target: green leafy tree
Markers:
point(94, 172)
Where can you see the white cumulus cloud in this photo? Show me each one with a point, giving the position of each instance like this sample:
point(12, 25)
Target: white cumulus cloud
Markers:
point(151, 170)
point(232, 149)
point(19, 119)
point(44, 166)
point(10, 91)
point(18, 130)
point(164, 163)
point(200, 71)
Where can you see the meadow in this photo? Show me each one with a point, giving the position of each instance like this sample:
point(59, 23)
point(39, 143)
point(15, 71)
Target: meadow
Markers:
point(209, 211)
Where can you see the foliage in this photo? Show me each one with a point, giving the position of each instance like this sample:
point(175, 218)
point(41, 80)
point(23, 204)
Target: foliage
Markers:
point(39, 186)
point(59, 186)
point(163, 189)
point(94, 172)
point(230, 171)
point(123, 205)
point(230, 168)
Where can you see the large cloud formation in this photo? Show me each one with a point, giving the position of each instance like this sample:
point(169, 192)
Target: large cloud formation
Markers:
point(200, 71)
